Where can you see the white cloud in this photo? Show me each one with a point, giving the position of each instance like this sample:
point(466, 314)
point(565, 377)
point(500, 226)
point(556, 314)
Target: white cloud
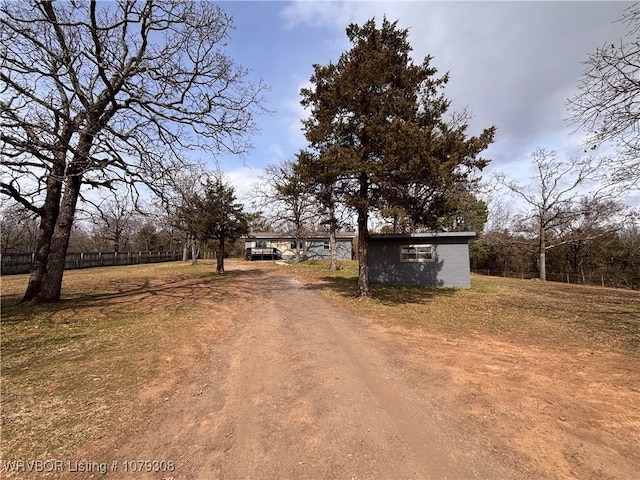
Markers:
point(276, 154)
point(295, 113)
point(330, 15)
point(513, 64)
point(244, 180)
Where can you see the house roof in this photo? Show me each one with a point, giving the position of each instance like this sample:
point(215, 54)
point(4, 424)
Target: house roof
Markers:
point(311, 236)
point(427, 235)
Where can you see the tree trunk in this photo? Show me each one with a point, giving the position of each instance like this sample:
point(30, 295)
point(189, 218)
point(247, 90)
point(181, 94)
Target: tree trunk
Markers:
point(297, 240)
point(185, 248)
point(333, 250)
point(333, 247)
point(49, 216)
point(574, 255)
point(52, 285)
point(363, 254)
point(117, 238)
point(38, 273)
point(220, 257)
point(542, 263)
point(195, 251)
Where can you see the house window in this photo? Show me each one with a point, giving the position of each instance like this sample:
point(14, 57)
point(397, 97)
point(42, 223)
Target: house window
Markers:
point(325, 245)
point(417, 253)
point(261, 244)
point(293, 245)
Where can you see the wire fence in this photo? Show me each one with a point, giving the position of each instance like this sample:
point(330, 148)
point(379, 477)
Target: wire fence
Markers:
point(591, 278)
point(17, 263)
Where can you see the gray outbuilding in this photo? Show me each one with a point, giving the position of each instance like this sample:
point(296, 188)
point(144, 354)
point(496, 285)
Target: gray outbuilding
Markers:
point(437, 259)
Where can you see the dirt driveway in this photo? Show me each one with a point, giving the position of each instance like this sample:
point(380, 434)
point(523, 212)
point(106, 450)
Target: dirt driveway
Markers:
point(302, 389)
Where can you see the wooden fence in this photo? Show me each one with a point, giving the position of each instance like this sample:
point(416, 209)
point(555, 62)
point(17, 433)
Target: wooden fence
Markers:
point(15, 263)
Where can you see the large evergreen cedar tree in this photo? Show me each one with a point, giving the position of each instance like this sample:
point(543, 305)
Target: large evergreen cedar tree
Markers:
point(377, 122)
point(215, 215)
point(99, 93)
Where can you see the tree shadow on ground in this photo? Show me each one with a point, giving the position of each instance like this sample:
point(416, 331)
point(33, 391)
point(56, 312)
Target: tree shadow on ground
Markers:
point(135, 295)
point(385, 294)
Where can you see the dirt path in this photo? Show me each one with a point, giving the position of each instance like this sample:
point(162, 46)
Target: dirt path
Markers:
point(301, 389)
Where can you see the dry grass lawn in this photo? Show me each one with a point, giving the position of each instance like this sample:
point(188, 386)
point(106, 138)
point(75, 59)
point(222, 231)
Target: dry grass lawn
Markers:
point(99, 361)
point(551, 370)
point(102, 360)
point(529, 311)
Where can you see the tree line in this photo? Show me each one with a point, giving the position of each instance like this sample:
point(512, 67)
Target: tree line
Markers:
point(114, 96)
point(116, 224)
point(607, 259)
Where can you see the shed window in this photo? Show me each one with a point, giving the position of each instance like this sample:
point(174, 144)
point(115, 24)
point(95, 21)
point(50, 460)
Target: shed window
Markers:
point(416, 253)
point(325, 245)
point(293, 244)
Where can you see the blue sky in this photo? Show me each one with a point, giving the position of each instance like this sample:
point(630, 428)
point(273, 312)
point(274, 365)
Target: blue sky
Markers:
point(514, 64)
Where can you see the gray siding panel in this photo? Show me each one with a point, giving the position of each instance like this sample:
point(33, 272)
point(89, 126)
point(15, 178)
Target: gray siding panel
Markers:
point(313, 245)
point(450, 267)
point(316, 250)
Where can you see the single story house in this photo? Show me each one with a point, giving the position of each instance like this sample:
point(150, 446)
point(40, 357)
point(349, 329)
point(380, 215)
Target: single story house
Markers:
point(272, 246)
point(439, 259)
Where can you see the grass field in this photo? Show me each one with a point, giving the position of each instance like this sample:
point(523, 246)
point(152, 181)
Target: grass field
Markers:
point(72, 369)
point(542, 313)
point(111, 350)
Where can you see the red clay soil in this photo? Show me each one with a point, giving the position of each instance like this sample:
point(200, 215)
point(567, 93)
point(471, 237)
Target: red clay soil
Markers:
point(300, 388)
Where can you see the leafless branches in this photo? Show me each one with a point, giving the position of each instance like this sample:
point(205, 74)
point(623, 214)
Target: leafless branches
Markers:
point(286, 197)
point(607, 103)
point(563, 198)
point(100, 94)
point(139, 82)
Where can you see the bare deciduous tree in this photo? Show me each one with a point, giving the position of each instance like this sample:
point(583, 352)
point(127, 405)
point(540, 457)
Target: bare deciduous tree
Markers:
point(606, 103)
point(287, 198)
point(321, 185)
point(182, 186)
point(112, 222)
point(592, 218)
point(554, 197)
point(98, 93)
point(18, 229)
